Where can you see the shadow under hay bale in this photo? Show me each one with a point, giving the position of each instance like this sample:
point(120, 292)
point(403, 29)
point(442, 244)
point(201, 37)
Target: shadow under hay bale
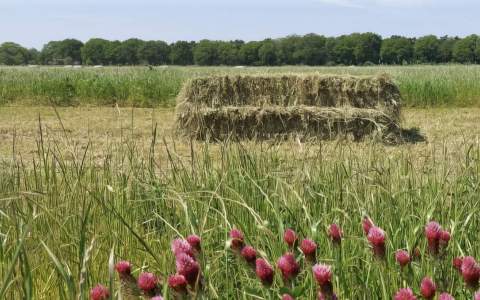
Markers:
point(318, 106)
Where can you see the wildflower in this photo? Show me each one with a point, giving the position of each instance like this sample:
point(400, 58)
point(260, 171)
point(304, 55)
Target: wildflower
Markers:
point(376, 237)
point(457, 263)
point(428, 288)
point(445, 236)
point(157, 298)
point(335, 233)
point(322, 274)
point(402, 257)
point(290, 237)
point(147, 282)
point(181, 246)
point(405, 294)
point(123, 267)
point(264, 271)
point(178, 283)
point(470, 271)
point(188, 267)
point(249, 254)
point(287, 297)
point(309, 249)
point(367, 223)
point(128, 282)
point(476, 296)
point(322, 296)
point(99, 292)
point(289, 266)
point(432, 232)
point(237, 239)
point(194, 241)
point(445, 296)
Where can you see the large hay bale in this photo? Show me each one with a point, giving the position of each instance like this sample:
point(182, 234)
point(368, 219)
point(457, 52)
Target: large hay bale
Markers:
point(264, 107)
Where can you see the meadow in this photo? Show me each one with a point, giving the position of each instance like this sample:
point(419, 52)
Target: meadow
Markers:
point(421, 86)
point(82, 188)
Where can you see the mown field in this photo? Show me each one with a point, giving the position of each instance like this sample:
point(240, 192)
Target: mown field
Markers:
point(84, 187)
point(421, 86)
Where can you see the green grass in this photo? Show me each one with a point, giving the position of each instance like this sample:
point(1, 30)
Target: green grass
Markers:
point(61, 217)
point(421, 86)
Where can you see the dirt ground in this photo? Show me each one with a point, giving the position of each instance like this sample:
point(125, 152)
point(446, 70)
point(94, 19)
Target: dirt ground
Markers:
point(102, 128)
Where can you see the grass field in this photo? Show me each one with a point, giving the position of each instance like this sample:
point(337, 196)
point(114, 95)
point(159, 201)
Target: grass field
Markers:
point(81, 187)
point(421, 86)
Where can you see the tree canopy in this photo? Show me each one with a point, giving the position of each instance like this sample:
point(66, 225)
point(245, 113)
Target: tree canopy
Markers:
point(310, 49)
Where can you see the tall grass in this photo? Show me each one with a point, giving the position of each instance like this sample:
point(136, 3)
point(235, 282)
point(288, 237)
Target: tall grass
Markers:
point(421, 86)
point(62, 216)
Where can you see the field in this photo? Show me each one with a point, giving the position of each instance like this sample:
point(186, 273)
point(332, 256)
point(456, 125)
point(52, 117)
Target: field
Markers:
point(83, 187)
point(421, 86)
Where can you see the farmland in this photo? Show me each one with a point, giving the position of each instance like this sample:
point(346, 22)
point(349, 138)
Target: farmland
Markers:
point(88, 183)
point(421, 86)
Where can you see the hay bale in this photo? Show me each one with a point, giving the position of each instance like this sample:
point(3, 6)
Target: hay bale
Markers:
point(267, 107)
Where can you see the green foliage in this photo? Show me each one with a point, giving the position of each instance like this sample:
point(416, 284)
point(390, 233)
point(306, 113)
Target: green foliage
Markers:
point(13, 54)
point(153, 53)
point(343, 51)
point(427, 49)
point(181, 53)
point(465, 49)
point(66, 52)
point(228, 53)
point(128, 52)
point(94, 52)
point(205, 53)
point(310, 49)
point(267, 55)
point(249, 53)
point(446, 49)
point(367, 48)
point(397, 50)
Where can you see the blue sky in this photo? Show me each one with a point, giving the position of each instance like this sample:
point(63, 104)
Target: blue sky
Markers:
point(35, 22)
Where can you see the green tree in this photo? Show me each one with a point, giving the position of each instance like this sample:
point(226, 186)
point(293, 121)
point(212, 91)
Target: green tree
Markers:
point(249, 53)
point(63, 52)
point(310, 50)
point(112, 52)
point(464, 50)
point(397, 50)
point(154, 53)
point(427, 49)
point(367, 47)
point(205, 53)
point(13, 54)
point(228, 53)
point(33, 56)
point(128, 52)
point(445, 50)
point(286, 48)
point(343, 50)
point(267, 55)
point(94, 52)
point(181, 53)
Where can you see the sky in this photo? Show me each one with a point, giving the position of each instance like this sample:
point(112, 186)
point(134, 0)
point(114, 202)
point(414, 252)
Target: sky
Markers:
point(32, 23)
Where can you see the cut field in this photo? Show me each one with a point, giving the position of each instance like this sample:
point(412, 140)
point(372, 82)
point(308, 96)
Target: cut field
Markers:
point(103, 127)
point(84, 187)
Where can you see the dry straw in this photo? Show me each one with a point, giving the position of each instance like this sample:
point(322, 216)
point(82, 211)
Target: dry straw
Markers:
point(262, 107)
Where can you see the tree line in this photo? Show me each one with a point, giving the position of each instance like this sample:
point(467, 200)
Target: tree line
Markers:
point(310, 49)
